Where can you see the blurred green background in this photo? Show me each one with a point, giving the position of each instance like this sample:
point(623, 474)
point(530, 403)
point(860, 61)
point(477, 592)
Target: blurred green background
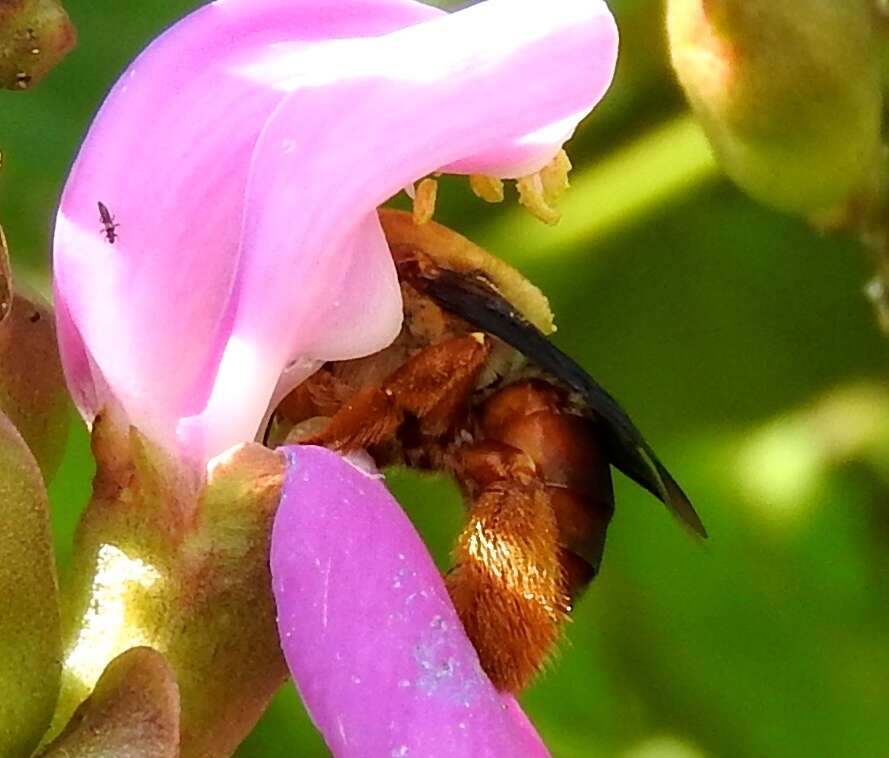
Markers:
point(741, 343)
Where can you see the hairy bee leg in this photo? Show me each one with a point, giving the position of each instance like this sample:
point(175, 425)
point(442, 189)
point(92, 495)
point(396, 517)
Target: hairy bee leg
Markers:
point(432, 386)
point(435, 383)
point(370, 417)
point(508, 583)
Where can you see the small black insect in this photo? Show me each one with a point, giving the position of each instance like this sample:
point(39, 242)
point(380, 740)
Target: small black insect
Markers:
point(109, 226)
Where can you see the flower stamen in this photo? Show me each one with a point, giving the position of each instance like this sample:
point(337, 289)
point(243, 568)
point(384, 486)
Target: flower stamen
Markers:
point(488, 188)
point(539, 191)
point(424, 200)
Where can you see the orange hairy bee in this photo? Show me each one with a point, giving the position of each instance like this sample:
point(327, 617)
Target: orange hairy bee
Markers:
point(472, 386)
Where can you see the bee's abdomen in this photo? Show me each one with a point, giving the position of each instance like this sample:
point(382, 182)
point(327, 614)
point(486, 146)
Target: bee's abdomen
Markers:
point(540, 497)
point(569, 458)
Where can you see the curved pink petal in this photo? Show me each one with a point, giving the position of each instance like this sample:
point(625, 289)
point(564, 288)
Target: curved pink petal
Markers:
point(482, 87)
point(168, 154)
point(242, 156)
point(371, 638)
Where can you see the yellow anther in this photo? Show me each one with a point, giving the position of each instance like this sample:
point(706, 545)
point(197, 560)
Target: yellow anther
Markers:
point(487, 188)
point(533, 197)
point(424, 200)
point(554, 176)
point(538, 192)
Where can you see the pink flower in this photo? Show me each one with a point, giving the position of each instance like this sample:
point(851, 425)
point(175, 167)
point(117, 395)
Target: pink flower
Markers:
point(243, 155)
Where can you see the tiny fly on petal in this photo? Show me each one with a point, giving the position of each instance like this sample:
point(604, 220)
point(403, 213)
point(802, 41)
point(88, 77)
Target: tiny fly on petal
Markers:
point(109, 226)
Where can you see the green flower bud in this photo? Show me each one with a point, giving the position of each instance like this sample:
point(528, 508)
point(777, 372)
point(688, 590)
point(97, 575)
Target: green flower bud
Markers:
point(788, 92)
point(32, 385)
point(30, 637)
point(34, 36)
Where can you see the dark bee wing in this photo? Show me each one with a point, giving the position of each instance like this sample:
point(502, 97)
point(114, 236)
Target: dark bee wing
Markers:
point(475, 300)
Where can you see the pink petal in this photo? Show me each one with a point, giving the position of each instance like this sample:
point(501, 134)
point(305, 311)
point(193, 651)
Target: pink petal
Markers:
point(169, 154)
point(371, 638)
point(243, 155)
point(482, 87)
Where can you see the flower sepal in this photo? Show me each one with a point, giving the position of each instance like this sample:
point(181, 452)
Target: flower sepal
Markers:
point(133, 711)
point(32, 385)
point(182, 567)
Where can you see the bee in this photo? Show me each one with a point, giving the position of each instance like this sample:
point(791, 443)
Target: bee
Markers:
point(472, 387)
point(109, 226)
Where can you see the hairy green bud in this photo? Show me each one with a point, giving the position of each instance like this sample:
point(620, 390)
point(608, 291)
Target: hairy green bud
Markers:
point(34, 36)
point(30, 637)
point(788, 92)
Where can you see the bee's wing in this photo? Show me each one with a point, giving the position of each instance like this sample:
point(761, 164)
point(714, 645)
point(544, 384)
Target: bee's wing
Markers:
point(475, 300)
